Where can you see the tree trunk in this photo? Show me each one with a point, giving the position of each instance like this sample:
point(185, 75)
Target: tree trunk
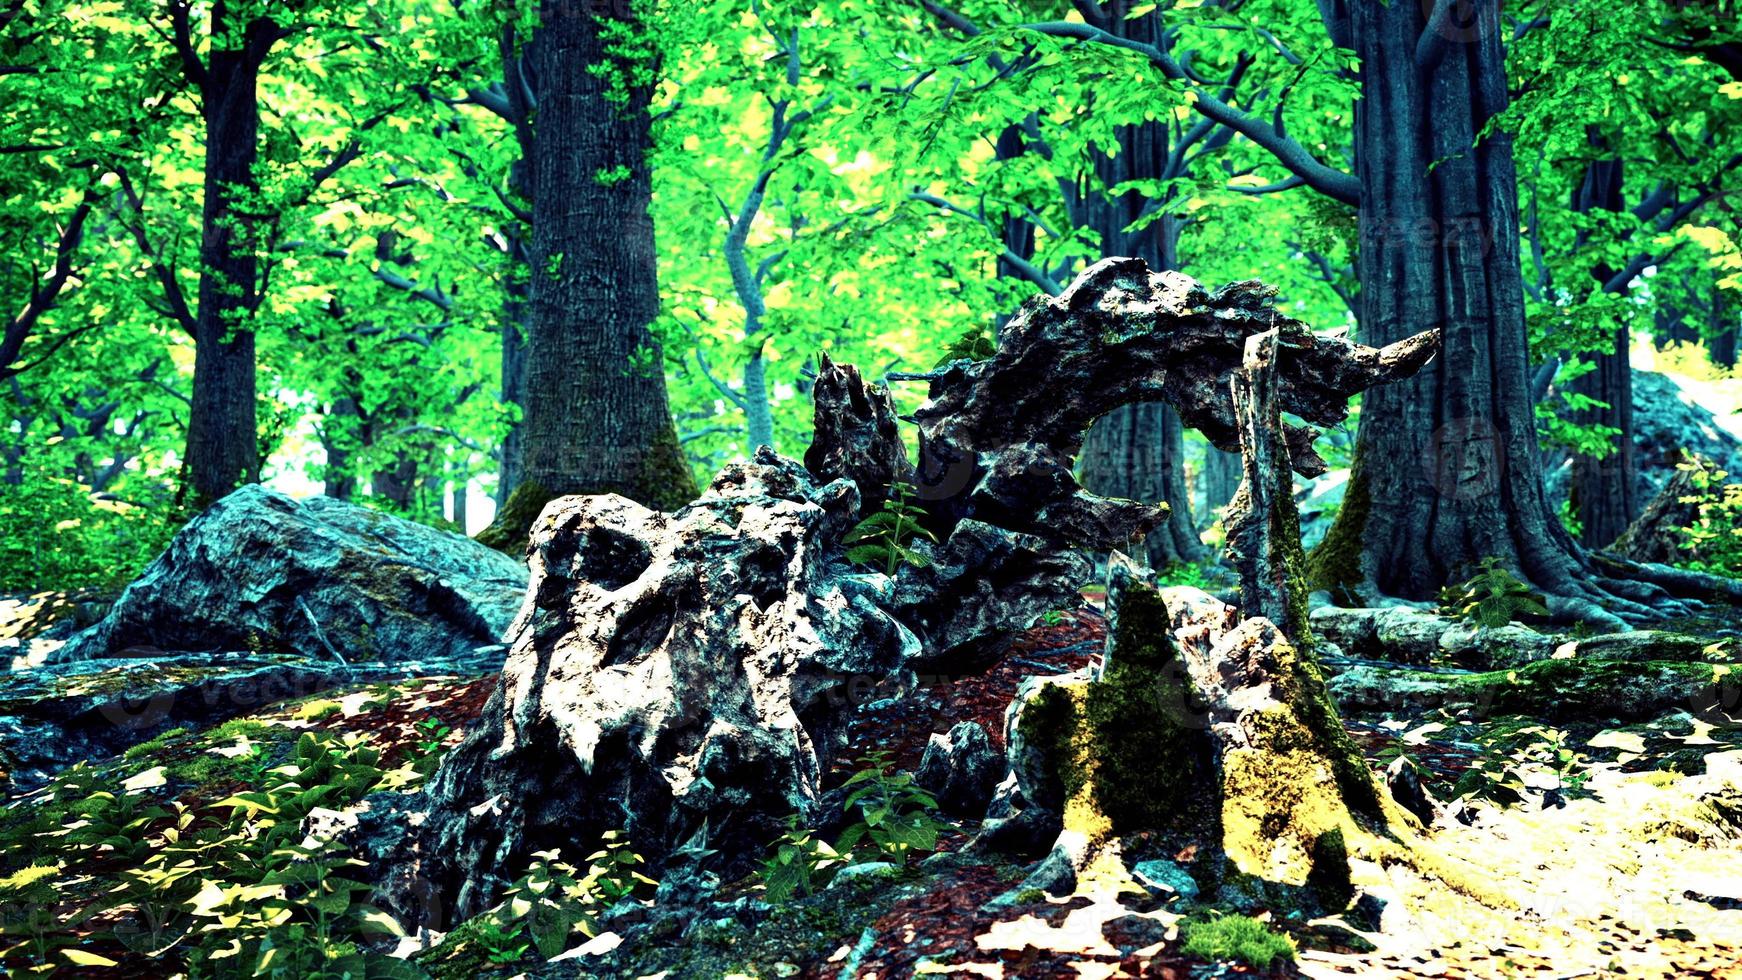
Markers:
point(1446, 469)
point(1221, 476)
point(339, 482)
point(1138, 451)
point(515, 329)
point(222, 448)
point(1604, 491)
point(396, 484)
point(520, 102)
point(1722, 330)
point(758, 410)
point(596, 418)
point(1672, 329)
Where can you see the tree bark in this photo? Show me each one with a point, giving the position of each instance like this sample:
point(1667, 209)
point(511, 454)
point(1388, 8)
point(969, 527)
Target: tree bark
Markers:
point(596, 418)
point(519, 100)
point(1605, 490)
point(222, 448)
point(338, 480)
point(515, 329)
point(1221, 476)
point(1722, 330)
point(1446, 469)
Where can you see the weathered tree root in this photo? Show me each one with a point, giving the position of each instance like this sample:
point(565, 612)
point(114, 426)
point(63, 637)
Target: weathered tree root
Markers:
point(998, 436)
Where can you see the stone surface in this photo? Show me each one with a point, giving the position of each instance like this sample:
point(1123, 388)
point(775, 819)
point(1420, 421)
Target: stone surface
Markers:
point(1166, 877)
point(319, 577)
point(981, 583)
point(667, 669)
point(1556, 689)
point(1490, 647)
point(53, 715)
point(1404, 783)
point(854, 434)
point(961, 769)
point(56, 715)
point(1398, 634)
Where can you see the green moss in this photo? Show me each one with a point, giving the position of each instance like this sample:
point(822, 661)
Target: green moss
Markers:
point(1312, 702)
point(662, 481)
point(156, 744)
point(1581, 689)
point(319, 709)
point(1336, 563)
point(1128, 748)
point(508, 532)
point(1238, 938)
point(665, 481)
point(1328, 881)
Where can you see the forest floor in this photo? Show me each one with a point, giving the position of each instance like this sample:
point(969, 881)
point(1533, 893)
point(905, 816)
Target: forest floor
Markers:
point(1595, 851)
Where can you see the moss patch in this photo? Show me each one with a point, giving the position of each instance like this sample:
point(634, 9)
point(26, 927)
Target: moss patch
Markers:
point(508, 532)
point(1237, 938)
point(1336, 563)
point(1129, 750)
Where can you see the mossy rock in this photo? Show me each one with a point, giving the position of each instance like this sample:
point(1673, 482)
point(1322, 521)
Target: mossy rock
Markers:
point(1556, 690)
point(1232, 747)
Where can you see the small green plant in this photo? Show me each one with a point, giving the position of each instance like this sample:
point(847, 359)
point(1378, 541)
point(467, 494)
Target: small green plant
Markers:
point(896, 817)
point(1713, 542)
point(801, 863)
point(503, 945)
point(1492, 597)
point(28, 924)
point(1052, 617)
point(432, 735)
point(611, 177)
point(553, 900)
point(881, 540)
point(1183, 573)
point(975, 344)
point(1512, 751)
point(1235, 937)
point(890, 819)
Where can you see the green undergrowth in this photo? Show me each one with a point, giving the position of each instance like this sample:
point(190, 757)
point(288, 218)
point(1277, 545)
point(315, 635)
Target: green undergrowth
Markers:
point(1237, 938)
point(189, 854)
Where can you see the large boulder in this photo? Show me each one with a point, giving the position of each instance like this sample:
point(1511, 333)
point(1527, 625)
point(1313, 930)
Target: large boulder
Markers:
point(264, 572)
point(669, 672)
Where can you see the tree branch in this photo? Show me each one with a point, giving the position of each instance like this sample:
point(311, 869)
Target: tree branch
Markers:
point(1327, 180)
